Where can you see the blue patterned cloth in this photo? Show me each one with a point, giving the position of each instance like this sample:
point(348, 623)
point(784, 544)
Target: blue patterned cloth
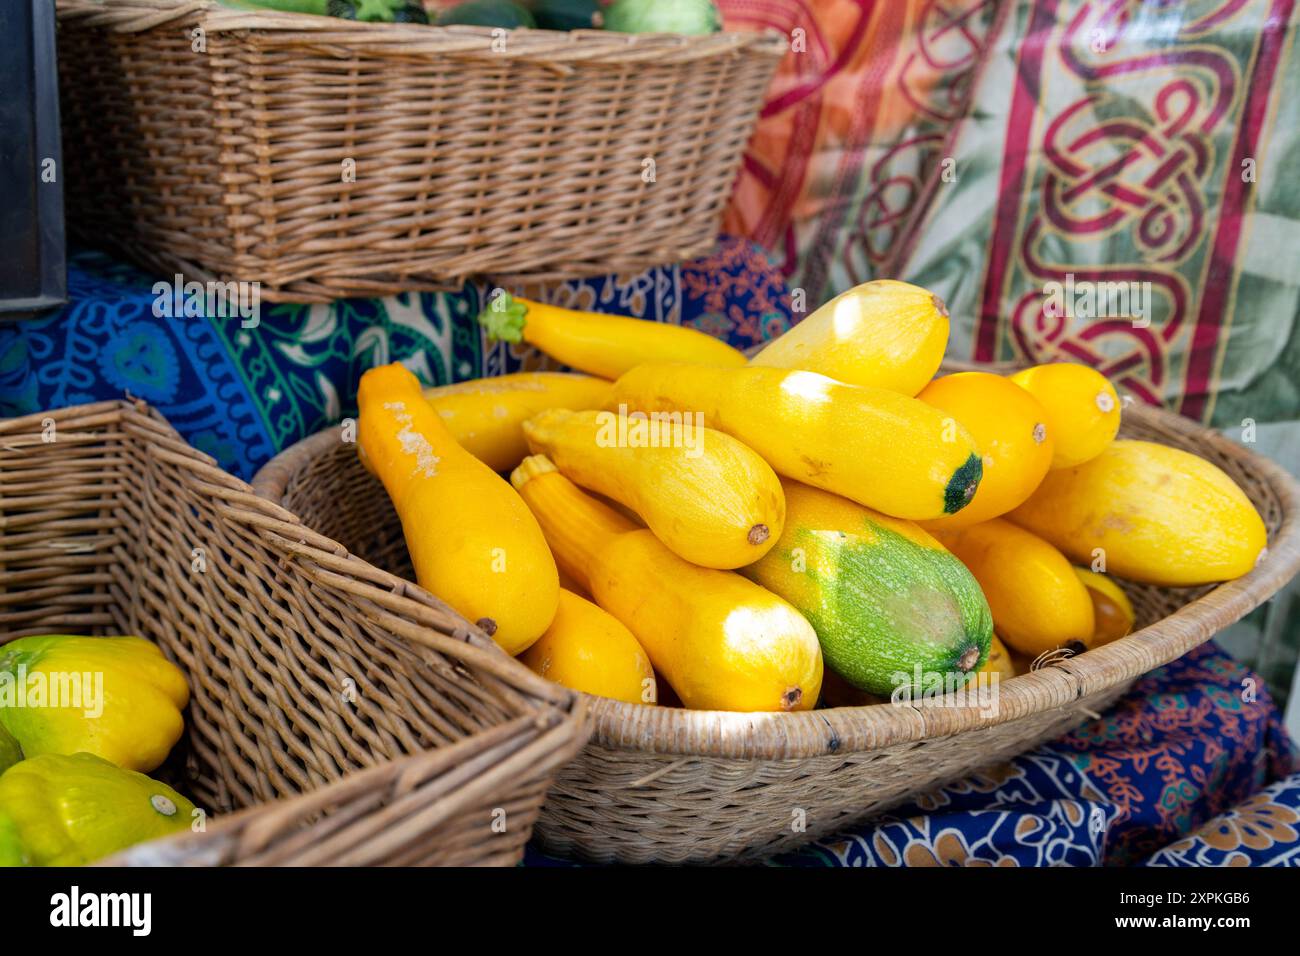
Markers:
point(242, 395)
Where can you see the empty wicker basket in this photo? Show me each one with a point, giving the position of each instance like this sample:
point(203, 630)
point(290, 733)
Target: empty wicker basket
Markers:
point(672, 785)
point(349, 719)
point(325, 157)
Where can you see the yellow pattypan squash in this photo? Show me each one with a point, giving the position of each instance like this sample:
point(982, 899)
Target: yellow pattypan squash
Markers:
point(116, 697)
point(68, 810)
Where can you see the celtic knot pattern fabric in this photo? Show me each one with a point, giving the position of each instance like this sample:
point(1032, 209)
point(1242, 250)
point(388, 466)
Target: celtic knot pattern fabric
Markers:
point(1137, 153)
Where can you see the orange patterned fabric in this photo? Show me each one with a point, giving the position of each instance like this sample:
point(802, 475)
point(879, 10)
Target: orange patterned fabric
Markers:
point(854, 124)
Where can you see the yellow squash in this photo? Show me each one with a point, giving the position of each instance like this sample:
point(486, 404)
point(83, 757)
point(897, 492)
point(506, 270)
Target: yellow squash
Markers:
point(486, 416)
point(1081, 405)
point(1037, 600)
point(883, 333)
point(1156, 514)
point(1009, 427)
point(879, 448)
point(999, 661)
point(1111, 608)
point(711, 499)
point(473, 542)
point(721, 641)
point(599, 344)
point(115, 697)
point(587, 649)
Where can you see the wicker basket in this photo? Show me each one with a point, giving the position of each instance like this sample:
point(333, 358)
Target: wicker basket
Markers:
point(522, 161)
point(349, 719)
point(672, 785)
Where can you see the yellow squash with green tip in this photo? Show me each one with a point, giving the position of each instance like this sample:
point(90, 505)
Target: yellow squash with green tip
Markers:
point(1008, 426)
point(876, 447)
point(600, 344)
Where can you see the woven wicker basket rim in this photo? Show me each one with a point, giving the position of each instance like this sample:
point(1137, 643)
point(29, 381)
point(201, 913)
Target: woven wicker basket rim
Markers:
point(769, 736)
point(408, 608)
point(348, 36)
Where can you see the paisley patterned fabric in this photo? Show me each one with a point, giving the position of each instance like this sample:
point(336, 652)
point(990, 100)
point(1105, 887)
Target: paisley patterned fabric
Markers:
point(242, 395)
point(1262, 831)
point(1146, 781)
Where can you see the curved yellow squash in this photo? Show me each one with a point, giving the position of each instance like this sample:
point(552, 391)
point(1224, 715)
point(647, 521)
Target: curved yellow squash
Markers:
point(1082, 409)
point(1037, 600)
point(486, 416)
point(587, 649)
point(1111, 607)
point(721, 641)
point(1010, 429)
point(1159, 515)
point(884, 333)
point(712, 500)
point(473, 542)
point(600, 344)
point(999, 661)
point(876, 447)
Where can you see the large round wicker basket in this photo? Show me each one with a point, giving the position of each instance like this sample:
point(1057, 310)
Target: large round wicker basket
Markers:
point(672, 785)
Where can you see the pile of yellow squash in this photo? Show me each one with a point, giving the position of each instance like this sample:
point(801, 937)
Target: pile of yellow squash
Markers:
point(677, 522)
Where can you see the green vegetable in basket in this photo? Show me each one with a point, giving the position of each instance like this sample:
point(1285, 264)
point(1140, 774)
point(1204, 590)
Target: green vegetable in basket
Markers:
point(663, 16)
point(10, 752)
point(566, 14)
point(68, 810)
point(487, 13)
point(378, 11)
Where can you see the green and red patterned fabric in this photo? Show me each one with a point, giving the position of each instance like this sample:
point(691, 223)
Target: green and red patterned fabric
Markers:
point(1138, 152)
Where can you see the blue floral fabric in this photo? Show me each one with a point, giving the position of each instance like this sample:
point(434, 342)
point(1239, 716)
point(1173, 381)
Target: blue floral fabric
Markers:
point(244, 394)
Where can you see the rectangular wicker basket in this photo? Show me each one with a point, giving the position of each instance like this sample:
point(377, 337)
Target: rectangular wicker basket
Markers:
point(346, 720)
point(663, 784)
point(325, 158)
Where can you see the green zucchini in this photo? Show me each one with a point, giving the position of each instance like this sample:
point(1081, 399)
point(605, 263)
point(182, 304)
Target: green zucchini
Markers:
point(888, 602)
